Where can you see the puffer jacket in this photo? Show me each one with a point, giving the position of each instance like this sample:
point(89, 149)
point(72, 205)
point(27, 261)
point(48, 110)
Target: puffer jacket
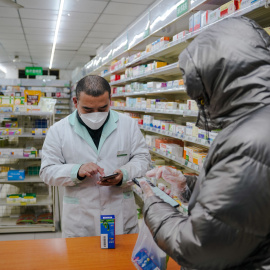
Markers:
point(226, 70)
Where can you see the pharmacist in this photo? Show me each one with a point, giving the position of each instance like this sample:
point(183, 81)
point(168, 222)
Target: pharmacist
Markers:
point(227, 71)
point(95, 141)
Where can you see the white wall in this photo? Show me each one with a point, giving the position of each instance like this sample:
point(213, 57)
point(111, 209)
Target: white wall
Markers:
point(12, 73)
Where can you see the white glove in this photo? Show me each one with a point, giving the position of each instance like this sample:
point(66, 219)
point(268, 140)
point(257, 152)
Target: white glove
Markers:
point(172, 176)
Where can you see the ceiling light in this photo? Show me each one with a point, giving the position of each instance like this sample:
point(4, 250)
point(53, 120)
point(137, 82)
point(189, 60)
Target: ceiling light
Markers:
point(3, 69)
point(68, 14)
point(56, 31)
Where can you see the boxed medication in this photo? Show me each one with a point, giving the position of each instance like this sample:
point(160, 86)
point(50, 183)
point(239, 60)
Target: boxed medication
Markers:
point(107, 231)
point(175, 150)
point(191, 23)
point(214, 16)
point(15, 131)
point(189, 127)
point(14, 198)
point(159, 64)
point(201, 134)
point(227, 9)
point(3, 131)
point(180, 130)
point(204, 18)
point(150, 140)
point(18, 152)
point(14, 175)
point(5, 152)
point(197, 20)
point(28, 198)
point(172, 128)
point(171, 106)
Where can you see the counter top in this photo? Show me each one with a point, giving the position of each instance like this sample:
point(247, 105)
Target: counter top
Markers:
point(70, 253)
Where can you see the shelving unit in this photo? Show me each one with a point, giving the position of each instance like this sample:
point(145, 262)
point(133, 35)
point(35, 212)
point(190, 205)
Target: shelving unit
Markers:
point(147, 30)
point(45, 195)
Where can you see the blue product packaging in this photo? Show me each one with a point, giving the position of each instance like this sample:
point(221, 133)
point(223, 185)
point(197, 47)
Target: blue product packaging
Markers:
point(107, 231)
point(15, 175)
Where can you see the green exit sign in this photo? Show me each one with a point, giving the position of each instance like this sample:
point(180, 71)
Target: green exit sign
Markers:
point(33, 71)
point(182, 8)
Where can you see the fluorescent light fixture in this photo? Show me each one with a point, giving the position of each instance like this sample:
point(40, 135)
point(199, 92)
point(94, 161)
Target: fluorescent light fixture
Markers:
point(56, 31)
point(3, 69)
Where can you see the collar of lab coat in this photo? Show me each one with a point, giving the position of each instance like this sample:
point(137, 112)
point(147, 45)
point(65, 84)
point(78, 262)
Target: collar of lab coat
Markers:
point(108, 128)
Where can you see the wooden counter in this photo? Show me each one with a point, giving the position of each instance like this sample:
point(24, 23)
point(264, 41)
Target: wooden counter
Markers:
point(70, 253)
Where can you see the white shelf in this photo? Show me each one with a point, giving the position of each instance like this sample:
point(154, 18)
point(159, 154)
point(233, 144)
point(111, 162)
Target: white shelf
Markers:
point(41, 200)
point(180, 161)
point(28, 179)
point(158, 111)
point(168, 70)
point(25, 135)
point(8, 225)
point(153, 92)
point(18, 157)
point(202, 142)
point(27, 113)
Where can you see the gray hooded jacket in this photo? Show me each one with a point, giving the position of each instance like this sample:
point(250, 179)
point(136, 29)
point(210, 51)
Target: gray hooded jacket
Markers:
point(228, 227)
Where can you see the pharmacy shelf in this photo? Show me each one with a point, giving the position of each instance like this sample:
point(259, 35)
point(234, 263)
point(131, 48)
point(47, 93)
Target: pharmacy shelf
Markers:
point(174, 48)
point(28, 179)
point(8, 225)
point(199, 141)
point(27, 113)
point(25, 135)
point(180, 161)
point(116, 71)
point(162, 91)
point(168, 70)
point(18, 157)
point(41, 200)
point(158, 111)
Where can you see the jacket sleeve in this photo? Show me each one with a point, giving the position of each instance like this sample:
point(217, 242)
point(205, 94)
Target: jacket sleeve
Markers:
point(53, 169)
point(224, 226)
point(191, 181)
point(140, 158)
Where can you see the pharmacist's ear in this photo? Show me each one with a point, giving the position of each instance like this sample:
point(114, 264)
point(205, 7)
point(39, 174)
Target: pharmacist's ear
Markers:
point(75, 101)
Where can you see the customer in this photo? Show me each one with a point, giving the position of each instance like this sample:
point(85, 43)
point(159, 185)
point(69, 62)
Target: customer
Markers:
point(91, 142)
point(227, 71)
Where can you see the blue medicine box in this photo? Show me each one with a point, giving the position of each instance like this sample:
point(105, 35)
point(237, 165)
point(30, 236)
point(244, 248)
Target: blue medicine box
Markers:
point(107, 231)
point(16, 175)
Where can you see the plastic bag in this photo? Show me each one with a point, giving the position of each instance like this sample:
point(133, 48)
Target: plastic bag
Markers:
point(146, 254)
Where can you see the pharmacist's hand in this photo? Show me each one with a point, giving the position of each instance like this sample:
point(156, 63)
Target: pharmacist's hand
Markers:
point(147, 191)
point(90, 169)
point(113, 181)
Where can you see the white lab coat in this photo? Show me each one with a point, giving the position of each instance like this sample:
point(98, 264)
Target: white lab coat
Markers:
point(68, 145)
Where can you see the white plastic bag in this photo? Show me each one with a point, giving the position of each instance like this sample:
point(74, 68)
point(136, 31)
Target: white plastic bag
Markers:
point(146, 254)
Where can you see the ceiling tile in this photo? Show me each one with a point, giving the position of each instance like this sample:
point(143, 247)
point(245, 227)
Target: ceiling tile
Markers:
point(75, 25)
point(39, 24)
point(124, 9)
point(116, 19)
point(72, 32)
point(96, 40)
point(90, 45)
point(10, 36)
point(6, 12)
point(37, 14)
point(85, 6)
point(47, 39)
point(10, 22)
point(7, 29)
point(38, 31)
point(79, 17)
point(102, 35)
point(145, 2)
point(39, 4)
point(108, 28)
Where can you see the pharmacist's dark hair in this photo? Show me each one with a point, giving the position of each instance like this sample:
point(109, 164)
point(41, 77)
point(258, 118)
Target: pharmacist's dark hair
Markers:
point(92, 85)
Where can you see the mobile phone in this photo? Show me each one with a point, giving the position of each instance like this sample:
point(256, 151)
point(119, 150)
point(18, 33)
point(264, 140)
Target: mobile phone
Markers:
point(158, 192)
point(110, 176)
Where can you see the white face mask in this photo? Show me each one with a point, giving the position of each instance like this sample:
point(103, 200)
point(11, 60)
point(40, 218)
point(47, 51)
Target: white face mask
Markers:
point(94, 120)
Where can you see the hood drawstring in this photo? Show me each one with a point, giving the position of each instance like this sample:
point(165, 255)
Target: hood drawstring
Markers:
point(206, 127)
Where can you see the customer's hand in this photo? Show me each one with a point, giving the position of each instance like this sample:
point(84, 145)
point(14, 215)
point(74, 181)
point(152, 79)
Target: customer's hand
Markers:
point(90, 169)
point(113, 181)
point(146, 188)
point(170, 175)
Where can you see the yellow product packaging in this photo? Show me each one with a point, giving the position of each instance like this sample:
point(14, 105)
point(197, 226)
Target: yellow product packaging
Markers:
point(267, 29)
point(160, 64)
point(227, 9)
point(32, 97)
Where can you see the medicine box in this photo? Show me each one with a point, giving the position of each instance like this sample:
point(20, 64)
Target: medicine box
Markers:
point(107, 231)
point(205, 17)
point(191, 23)
point(14, 198)
point(15, 175)
point(227, 9)
point(197, 20)
point(214, 16)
